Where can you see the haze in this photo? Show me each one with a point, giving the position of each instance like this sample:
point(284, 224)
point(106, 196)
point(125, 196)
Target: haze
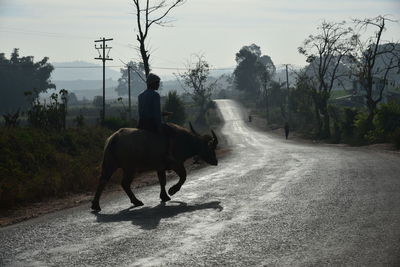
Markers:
point(65, 31)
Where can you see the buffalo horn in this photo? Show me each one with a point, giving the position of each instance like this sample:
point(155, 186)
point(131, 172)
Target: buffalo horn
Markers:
point(192, 129)
point(215, 138)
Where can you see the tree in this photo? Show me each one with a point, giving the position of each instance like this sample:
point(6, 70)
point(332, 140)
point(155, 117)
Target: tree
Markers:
point(138, 83)
point(175, 105)
point(147, 15)
point(325, 53)
point(253, 71)
point(19, 75)
point(196, 82)
point(375, 61)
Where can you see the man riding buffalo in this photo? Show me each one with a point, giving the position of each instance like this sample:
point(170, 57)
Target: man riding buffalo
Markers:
point(154, 146)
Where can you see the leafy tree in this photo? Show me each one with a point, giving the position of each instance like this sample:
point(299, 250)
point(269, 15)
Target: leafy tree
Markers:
point(21, 74)
point(148, 14)
point(196, 82)
point(138, 83)
point(301, 100)
point(325, 52)
point(375, 61)
point(175, 105)
point(253, 71)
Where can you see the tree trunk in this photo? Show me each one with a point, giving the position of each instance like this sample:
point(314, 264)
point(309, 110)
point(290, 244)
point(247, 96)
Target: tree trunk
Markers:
point(326, 129)
point(145, 58)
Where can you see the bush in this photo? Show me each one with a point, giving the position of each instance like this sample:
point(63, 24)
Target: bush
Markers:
point(387, 118)
point(175, 105)
point(395, 137)
point(36, 164)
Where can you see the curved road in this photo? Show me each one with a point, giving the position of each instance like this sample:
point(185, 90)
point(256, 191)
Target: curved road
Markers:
point(272, 202)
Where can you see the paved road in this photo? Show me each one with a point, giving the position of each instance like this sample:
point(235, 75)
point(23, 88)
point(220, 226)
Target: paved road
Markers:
point(272, 202)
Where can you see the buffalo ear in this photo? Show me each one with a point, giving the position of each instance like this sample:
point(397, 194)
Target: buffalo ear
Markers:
point(192, 129)
point(215, 138)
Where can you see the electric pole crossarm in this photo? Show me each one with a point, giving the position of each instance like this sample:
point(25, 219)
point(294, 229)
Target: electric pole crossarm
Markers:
point(103, 40)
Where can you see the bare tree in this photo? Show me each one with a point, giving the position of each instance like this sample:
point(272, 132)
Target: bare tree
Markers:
point(195, 81)
point(375, 60)
point(148, 14)
point(325, 53)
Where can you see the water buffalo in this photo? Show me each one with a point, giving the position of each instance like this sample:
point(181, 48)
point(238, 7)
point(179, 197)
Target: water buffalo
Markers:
point(136, 151)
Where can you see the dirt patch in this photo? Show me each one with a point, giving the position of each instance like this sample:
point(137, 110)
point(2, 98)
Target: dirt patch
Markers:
point(26, 212)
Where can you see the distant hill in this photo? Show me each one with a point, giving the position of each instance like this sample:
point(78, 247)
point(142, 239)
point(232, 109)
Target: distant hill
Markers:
point(81, 70)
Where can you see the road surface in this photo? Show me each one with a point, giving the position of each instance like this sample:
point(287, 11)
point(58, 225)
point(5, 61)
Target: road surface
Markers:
point(271, 202)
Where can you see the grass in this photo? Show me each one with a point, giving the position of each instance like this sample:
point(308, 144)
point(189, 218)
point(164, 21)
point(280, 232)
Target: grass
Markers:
point(37, 164)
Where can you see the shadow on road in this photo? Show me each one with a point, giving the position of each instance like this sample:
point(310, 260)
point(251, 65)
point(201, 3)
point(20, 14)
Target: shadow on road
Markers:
point(149, 218)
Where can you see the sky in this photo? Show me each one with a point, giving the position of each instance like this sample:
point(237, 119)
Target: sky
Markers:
point(65, 30)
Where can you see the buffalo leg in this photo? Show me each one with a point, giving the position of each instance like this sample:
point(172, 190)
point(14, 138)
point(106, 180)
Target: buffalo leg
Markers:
point(163, 181)
point(180, 170)
point(104, 178)
point(126, 185)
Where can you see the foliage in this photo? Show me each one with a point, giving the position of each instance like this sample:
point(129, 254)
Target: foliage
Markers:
point(325, 53)
point(36, 164)
point(21, 74)
point(137, 79)
point(252, 70)
point(79, 121)
point(301, 104)
point(175, 105)
point(196, 78)
point(386, 122)
point(348, 124)
point(11, 119)
point(375, 62)
point(51, 115)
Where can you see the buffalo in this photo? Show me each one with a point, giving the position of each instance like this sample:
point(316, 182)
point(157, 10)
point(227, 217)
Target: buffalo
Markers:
point(135, 150)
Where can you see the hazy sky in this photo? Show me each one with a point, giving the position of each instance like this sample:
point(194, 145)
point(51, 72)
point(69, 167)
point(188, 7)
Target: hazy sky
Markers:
point(65, 30)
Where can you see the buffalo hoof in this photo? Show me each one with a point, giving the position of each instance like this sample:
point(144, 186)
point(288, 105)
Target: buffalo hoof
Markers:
point(137, 203)
point(95, 206)
point(165, 198)
point(173, 190)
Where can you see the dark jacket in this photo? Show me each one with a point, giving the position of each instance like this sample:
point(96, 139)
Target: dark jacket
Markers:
point(149, 110)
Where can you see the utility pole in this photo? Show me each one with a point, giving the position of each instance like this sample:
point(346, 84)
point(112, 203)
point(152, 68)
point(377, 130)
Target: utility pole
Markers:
point(129, 91)
point(103, 57)
point(288, 92)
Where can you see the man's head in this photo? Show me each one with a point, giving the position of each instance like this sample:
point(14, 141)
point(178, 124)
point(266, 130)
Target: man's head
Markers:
point(153, 81)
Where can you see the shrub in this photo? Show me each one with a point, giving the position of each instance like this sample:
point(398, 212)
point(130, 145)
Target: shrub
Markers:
point(175, 105)
point(36, 164)
point(387, 118)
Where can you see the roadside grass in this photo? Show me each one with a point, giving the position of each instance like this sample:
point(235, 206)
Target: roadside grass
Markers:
point(36, 164)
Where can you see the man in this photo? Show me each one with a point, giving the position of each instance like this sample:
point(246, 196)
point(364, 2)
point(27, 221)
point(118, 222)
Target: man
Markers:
point(287, 130)
point(149, 106)
point(150, 112)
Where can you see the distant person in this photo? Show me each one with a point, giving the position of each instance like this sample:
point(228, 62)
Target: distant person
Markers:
point(250, 118)
point(287, 130)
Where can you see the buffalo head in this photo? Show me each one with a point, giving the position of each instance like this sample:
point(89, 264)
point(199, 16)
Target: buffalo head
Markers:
point(207, 146)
